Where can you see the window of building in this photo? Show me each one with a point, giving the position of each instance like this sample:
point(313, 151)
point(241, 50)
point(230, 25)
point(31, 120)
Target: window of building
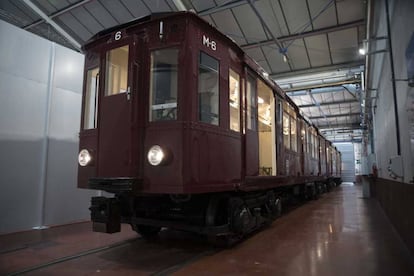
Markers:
point(234, 100)
point(91, 99)
point(208, 89)
point(116, 80)
point(163, 85)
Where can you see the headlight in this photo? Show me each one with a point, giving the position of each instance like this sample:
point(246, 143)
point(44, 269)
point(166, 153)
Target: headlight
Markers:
point(155, 155)
point(84, 157)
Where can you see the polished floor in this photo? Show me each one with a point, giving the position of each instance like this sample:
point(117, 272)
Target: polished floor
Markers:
point(339, 234)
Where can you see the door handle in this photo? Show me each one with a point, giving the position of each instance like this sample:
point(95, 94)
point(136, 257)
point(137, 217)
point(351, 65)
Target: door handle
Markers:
point(128, 93)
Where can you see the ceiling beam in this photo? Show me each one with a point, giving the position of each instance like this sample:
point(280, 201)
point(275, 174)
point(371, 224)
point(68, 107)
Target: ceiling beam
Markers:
point(59, 29)
point(324, 68)
point(322, 85)
point(274, 40)
point(330, 103)
point(335, 116)
point(179, 5)
point(336, 28)
point(351, 140)
point(331, 89)
point(220, 8)
point(346, 126)
point(57, 13)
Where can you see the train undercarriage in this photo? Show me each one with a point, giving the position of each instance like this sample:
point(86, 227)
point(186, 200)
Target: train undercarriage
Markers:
point(224, 218)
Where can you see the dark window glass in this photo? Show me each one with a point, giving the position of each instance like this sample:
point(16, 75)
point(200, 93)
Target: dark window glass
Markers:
point(208, 89)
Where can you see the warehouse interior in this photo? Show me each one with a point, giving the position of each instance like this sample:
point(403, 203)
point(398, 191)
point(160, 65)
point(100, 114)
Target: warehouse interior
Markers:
point(347, 64)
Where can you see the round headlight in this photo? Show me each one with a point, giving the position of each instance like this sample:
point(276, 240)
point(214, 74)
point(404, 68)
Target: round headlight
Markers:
point(84, 157)
point(155, 155)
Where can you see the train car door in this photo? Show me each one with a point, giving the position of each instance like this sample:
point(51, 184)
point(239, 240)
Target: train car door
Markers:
point(114, 150)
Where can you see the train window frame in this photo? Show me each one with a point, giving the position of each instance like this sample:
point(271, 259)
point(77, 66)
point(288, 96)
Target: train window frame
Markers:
point(164, 109)
point(91, 98)
point(202, 92)
point(115, 83)
point(234, 100)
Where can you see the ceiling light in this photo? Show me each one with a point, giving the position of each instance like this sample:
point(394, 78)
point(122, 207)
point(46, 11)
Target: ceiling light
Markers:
point(362, 51)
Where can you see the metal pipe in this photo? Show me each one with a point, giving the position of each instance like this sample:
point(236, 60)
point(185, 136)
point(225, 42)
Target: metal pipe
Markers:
point(45, 144)
point(394, 86)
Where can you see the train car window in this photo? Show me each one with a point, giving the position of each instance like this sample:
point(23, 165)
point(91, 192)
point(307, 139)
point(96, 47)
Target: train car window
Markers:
point(234, 99)
point(163, 85)
point(293, 134)
point(251, 103)
point(290, 136)
point(116, 78)
point(303, 136)
point(286, 130)
point(208, 89)
point(91, 98)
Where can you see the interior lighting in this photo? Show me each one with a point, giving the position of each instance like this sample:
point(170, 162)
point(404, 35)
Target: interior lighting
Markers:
point(260, 100)
point(362, 51)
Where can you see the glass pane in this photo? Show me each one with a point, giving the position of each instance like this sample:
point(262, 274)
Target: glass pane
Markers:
point(116, 80)
point(293, 134)
point(251, 104)
point(163, 86)
point(286, 130)
point(234, 96)
point(264, 100)
point(208, 89)
point(91, 99)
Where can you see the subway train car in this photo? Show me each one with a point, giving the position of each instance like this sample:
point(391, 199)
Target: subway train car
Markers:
point(183, 130)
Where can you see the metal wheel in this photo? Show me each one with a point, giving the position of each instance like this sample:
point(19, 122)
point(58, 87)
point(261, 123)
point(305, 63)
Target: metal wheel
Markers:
point(273, 205)
point(239, 216)
point(146, 231)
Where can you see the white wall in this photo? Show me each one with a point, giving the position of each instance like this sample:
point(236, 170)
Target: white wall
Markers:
point(348, 161)
point(385, 138)
point(40, 104)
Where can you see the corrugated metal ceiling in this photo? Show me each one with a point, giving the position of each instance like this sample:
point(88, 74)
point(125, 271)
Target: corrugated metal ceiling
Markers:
point(315, 36)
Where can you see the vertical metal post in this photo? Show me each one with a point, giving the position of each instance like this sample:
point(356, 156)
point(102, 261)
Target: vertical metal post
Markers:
point(45, 144)
point(394, 88)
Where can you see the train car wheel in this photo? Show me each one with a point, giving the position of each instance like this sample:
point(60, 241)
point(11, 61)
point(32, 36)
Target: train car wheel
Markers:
point(273, 205)
point(146, 231)
point(240, 218)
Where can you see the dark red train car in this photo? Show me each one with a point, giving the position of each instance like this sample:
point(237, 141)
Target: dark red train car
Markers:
point(186, 131)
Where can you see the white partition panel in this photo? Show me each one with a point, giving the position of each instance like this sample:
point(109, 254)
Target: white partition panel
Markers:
point(40, 103)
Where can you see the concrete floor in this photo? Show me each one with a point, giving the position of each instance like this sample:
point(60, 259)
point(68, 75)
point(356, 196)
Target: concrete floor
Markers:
point(339, 234)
